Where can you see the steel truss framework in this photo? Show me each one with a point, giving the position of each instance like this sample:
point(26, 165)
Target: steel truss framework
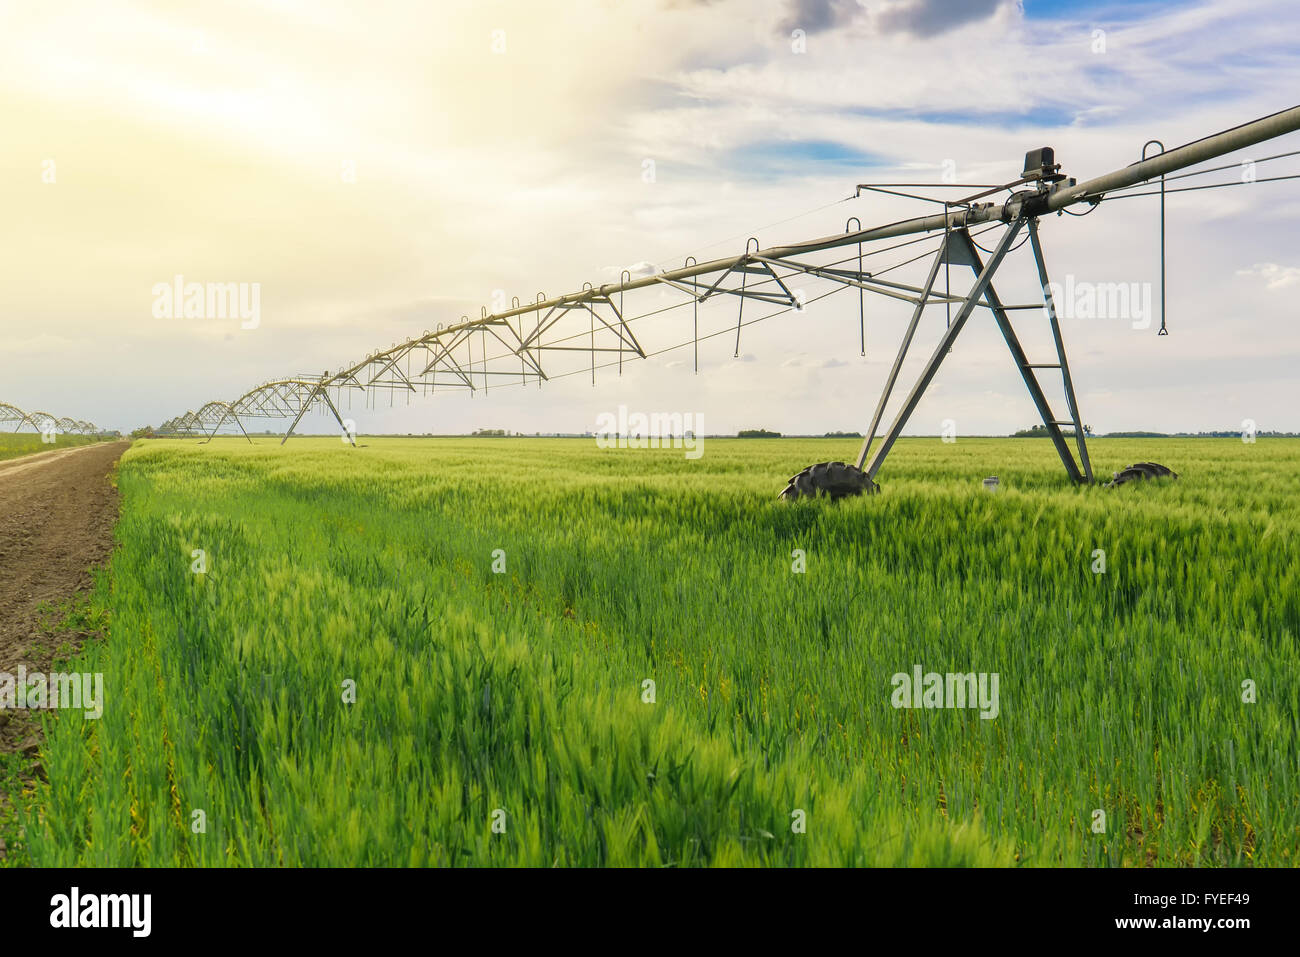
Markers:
point(44, 422)
point(960, 250)
point(520, 345)
point(512, 348)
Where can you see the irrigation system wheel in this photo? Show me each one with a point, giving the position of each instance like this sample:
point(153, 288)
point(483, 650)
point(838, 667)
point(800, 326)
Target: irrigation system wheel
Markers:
point(834, 479)
point(1140, 471)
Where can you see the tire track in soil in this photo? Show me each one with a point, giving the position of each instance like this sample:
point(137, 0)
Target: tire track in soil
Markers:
point(57, 512)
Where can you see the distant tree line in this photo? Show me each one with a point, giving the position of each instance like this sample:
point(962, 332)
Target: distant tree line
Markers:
point(1040, 432)
point(1219, 434)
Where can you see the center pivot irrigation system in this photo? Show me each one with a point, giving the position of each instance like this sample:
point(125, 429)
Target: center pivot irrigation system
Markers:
point(508, 346)
point(44, 422)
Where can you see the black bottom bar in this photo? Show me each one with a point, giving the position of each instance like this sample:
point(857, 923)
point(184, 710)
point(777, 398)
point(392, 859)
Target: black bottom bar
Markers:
point(337, 907)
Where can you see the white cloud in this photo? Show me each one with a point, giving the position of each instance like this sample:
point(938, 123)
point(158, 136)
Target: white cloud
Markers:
point(1274, 276)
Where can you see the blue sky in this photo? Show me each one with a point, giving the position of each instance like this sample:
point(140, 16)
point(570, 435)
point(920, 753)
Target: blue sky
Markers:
point(1110, 12)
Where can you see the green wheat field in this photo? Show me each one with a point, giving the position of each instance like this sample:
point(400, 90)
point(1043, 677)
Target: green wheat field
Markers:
point(504, 716)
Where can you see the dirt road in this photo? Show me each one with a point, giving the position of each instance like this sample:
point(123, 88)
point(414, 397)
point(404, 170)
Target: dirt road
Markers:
point(57, 511)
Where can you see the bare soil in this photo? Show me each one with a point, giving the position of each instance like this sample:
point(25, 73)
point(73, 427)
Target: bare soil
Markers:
point(57, 512)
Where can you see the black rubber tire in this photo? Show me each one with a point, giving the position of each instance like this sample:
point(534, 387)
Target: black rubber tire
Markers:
point(832, 479)
point(1140, 471)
